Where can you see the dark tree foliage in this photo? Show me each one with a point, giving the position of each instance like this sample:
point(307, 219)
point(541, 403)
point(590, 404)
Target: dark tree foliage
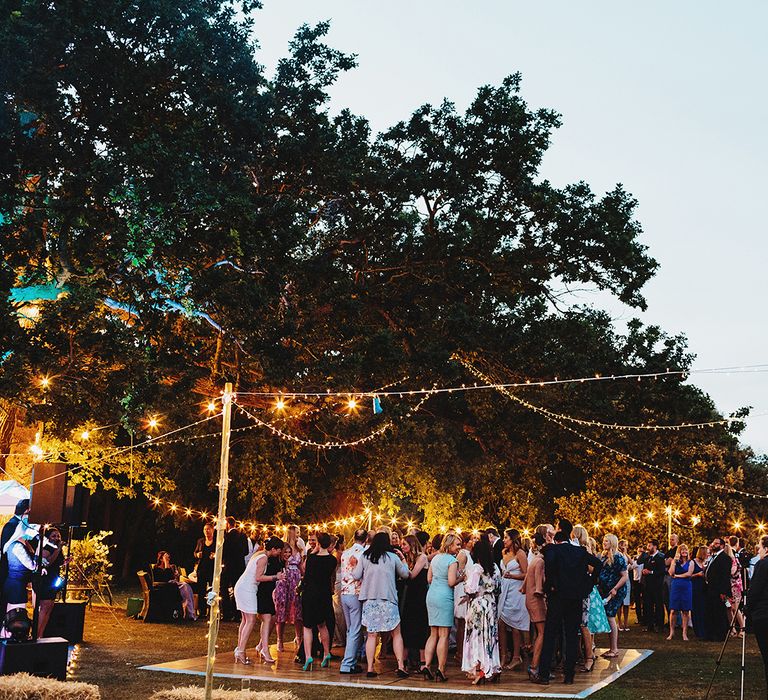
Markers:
point(209, 222)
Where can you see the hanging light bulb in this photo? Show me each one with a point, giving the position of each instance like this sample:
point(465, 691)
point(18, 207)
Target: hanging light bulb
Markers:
point(153, 423)
point(85, 435)
point(45, 381)
point(352, 403)
point(280, 404)
point(211, 406)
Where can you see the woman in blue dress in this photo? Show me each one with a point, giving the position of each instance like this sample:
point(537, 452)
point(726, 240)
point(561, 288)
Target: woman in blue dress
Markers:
point(613, 588)
point(681, 590)
point(698, 597)
point(442, 576)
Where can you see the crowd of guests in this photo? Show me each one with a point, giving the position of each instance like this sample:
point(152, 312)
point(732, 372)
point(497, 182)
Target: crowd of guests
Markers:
point(503, 603)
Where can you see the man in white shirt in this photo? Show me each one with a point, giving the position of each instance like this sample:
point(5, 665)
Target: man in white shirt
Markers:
point(350, 602)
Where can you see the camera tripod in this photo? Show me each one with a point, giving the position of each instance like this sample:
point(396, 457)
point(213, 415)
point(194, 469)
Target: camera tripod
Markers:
point(719, 659)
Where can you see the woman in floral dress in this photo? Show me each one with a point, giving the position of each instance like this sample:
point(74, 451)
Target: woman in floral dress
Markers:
point(480, 656)
point(287, 601)
point(613, 587)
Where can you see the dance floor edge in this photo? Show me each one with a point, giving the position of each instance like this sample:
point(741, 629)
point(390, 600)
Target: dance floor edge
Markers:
point(513, 684)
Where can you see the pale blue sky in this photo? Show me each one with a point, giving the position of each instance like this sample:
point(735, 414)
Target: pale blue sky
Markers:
point(663, 97)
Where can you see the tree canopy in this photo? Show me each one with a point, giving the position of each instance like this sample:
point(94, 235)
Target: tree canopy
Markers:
point(207, 222)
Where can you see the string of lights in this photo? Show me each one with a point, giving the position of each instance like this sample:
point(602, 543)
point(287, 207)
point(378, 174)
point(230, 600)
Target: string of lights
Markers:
point(598, 377)
point(613, 426)
point(619, 522)
point(334, 444)
point(634, 460)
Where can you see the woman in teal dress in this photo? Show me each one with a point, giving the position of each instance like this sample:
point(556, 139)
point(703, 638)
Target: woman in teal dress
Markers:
point(443, 575)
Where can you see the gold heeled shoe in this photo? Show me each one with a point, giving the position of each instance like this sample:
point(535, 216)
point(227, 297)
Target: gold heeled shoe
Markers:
point(241, 658)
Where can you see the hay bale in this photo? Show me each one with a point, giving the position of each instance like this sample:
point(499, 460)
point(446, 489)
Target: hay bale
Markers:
point(193, 692)
point(22, 686)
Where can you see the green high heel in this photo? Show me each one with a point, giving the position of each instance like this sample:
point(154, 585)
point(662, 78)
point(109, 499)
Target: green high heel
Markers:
point(308, 664)
point(326, 661)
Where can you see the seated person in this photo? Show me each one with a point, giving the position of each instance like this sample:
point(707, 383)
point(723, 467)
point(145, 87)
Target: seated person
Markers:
point(165, 572)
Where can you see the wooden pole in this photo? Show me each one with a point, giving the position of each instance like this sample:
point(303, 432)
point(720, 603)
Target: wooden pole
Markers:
point(221, 526)
point(669, 527)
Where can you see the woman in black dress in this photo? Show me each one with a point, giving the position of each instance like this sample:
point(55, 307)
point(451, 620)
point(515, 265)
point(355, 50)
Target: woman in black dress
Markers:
point(264, 600)
point(205, 550)
point(414, 618)
point(317, 597)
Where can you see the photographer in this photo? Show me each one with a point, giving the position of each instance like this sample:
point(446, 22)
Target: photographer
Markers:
point(757, 602)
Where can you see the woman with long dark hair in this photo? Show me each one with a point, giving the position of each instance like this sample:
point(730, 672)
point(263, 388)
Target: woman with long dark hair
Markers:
point(205, 551)
point(513, 615)
point(480, 656)
point(165, 572)
point(379, 568)
point(415, 621)
point(317, 598)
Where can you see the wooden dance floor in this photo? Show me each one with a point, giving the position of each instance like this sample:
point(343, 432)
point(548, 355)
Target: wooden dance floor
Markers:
point(513, 683)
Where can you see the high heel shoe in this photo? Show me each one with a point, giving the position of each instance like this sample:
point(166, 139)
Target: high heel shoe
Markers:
point(516, 663)
point(266, 659)
point(479, 679)
point(424, 671)
point(241, 658)
point(587, 668)
point(308, 664)
point(440, 676)
point(326, 661)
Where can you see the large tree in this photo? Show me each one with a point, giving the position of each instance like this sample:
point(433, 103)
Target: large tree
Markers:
point(205, 222)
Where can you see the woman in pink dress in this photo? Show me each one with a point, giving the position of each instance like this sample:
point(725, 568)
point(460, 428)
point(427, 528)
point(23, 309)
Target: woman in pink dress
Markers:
point(287, 600)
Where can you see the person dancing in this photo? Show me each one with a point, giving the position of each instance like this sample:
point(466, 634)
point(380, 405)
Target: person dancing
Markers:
point(513, 615)
point(247, 598)
point(681, 590)
point(317, 598)
point(442, 577)
point(287, 600)
point(480, 656)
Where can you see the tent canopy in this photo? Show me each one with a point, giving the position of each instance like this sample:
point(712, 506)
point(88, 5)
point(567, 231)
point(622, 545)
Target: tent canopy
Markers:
point(11, 492)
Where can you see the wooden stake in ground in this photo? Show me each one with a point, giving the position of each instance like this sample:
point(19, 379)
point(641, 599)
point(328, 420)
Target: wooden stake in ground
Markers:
point(221, 527)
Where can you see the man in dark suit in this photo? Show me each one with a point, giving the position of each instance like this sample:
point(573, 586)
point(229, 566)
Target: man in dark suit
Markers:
point(567, 581)
point(718, 578)
point(496, 543)
point(757, 603)
point(654, 570)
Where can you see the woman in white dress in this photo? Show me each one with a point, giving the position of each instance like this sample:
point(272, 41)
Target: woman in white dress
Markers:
point(513, 613)
point(246, 594)
point(464, 559)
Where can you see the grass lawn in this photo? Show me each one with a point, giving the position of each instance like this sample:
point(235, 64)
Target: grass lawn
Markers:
point(116, 646)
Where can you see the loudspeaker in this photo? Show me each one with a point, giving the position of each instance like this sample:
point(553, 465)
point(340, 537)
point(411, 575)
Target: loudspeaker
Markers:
point(46, 657)
point(47, 495)
point(76, 509)
point(67, 620)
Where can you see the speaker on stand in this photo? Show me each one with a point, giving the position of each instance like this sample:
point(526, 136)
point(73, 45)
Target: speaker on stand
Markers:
point(48, 493)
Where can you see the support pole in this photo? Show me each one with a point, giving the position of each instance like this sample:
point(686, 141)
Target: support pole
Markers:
point(221, 525)
point(669, 526)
